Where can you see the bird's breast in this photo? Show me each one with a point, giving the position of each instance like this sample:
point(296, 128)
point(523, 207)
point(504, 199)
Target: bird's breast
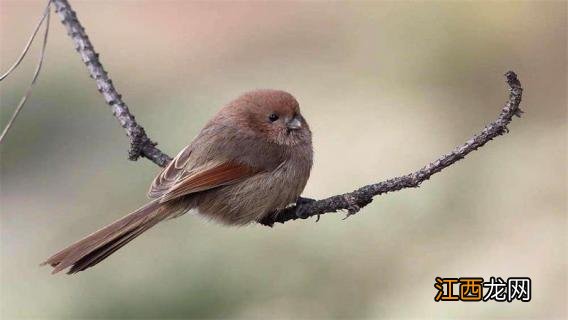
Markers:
point(263, 193)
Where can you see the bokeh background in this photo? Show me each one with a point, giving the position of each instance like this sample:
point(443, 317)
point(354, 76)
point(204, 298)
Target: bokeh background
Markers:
point(386, 86)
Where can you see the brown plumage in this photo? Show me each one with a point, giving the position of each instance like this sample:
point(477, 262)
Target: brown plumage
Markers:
point(251, 159)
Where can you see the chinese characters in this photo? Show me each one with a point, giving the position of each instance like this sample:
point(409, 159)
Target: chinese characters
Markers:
point(476, 289)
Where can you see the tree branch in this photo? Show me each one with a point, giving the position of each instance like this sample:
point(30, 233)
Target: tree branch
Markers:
point(354, 201)
point(140, 144)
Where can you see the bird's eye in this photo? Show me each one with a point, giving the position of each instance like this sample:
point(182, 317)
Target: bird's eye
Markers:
point(273, 117)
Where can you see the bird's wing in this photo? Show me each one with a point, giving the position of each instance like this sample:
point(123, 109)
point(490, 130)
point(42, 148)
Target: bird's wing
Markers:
point(210, 161)
point(207, 177)
point(170, 175)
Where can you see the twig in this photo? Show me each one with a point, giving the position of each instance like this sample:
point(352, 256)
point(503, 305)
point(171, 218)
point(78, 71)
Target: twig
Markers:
point(36, 72)
point(354, 201)
point(140, 144)
point(28, 44)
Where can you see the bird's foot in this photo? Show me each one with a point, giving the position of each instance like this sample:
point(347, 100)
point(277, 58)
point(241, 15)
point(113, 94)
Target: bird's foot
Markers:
point(301, 211)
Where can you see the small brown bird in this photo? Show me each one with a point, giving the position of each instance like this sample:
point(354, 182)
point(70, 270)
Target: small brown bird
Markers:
point(253, 158)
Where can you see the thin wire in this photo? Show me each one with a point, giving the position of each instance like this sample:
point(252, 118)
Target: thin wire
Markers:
point(28, 45)
point(36, 74)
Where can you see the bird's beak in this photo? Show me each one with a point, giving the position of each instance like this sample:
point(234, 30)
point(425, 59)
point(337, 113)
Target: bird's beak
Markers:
point(294, 124)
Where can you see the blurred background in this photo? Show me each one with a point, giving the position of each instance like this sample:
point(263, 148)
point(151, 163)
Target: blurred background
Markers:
point(386, 86)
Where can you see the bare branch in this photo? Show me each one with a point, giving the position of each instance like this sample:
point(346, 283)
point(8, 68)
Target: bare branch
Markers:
point(36, 72)
point(140, 144)
point(28, 44)
point(353, 201)
point(357, 199)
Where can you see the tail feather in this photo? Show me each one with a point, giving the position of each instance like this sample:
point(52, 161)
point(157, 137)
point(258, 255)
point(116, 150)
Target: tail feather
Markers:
point(106, 250)
point(97, 246)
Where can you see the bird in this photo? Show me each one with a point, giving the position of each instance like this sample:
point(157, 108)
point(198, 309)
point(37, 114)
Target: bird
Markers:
point(252, 159)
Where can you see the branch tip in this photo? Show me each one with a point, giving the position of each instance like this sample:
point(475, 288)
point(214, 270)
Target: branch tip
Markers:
point(355, 200)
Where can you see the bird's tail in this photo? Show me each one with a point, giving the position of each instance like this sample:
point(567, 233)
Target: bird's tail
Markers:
point(97, 246)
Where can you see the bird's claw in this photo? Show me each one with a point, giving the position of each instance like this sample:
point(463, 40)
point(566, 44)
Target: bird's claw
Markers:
point(353, 206)
point(302, 200)
point(301, 211)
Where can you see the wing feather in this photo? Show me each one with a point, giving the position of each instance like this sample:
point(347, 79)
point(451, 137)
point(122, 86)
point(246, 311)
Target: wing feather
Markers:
point(207, 178)
point(170, 175)
point(210, 161)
